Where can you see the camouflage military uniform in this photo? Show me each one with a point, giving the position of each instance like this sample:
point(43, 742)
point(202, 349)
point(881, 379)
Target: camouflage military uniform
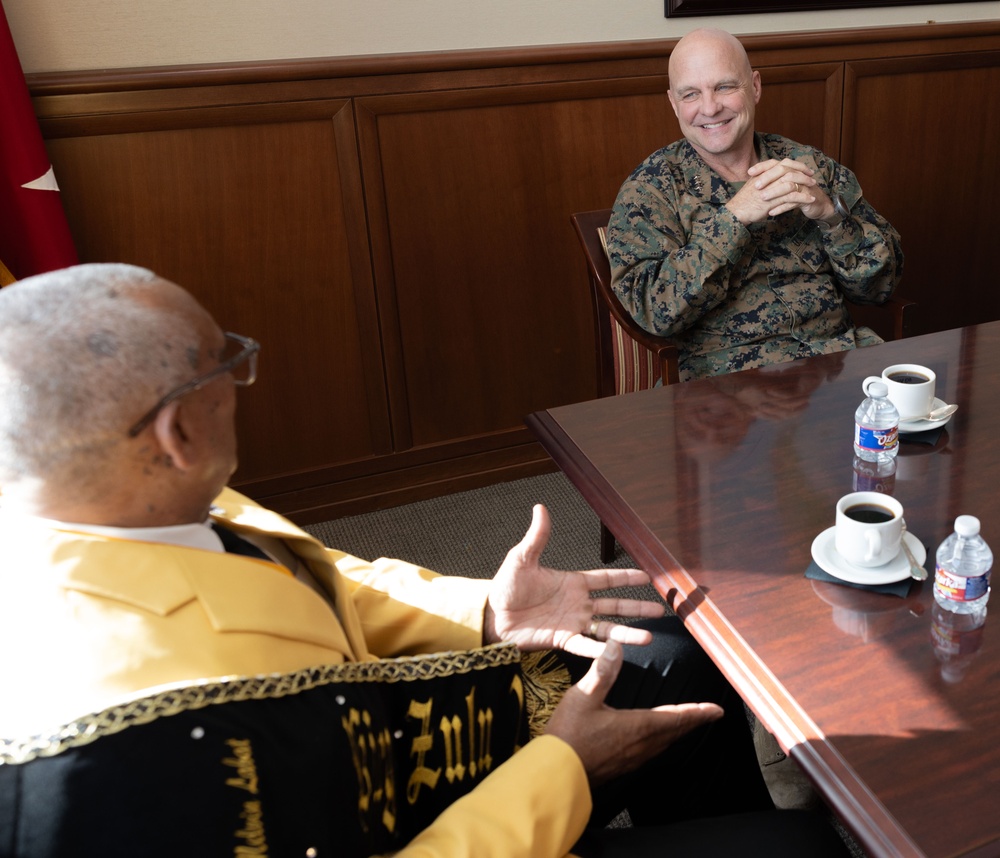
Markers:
point(735, 296)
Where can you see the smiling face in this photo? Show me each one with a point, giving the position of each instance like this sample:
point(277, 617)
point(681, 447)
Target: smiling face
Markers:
point(714, 93)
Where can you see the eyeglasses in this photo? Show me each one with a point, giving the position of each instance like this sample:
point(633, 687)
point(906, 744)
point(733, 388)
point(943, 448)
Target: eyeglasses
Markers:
point(242, 366)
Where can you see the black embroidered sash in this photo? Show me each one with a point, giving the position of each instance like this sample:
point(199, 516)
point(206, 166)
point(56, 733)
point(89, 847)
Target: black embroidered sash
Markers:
point(348, 760)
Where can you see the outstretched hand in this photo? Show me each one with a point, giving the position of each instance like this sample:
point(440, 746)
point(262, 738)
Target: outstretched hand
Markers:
point(540, 608)
point(611, 742)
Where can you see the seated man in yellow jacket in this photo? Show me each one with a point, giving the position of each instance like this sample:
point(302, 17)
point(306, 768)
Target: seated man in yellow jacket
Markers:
point(185, 672)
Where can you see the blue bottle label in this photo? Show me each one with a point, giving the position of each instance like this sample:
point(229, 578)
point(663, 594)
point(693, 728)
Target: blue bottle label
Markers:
point(876, 439)
point(958, 588)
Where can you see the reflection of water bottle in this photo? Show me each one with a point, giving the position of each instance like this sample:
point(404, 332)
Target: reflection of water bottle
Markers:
point(876, 425)
point(874, 476)
point(962, 575)
point(956, 639)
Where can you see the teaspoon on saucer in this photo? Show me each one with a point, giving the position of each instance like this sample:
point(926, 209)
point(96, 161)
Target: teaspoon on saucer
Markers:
point(916, 570)
point(939, 413)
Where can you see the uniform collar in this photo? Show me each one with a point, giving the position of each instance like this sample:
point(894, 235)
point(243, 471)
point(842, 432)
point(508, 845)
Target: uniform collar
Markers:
point(191, 535)
point(703, 182)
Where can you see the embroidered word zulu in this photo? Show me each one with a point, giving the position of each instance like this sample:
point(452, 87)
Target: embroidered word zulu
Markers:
point(458, 745)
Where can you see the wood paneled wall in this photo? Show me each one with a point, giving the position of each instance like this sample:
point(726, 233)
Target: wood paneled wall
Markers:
point(395, 229)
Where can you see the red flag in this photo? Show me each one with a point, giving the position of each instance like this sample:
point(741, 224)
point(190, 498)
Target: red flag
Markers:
point(34, 234)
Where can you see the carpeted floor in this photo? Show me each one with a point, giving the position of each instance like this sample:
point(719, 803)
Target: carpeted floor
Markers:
point(469, 533)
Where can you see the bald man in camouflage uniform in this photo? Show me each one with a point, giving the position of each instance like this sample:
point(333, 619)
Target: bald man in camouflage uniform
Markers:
point(738, 245)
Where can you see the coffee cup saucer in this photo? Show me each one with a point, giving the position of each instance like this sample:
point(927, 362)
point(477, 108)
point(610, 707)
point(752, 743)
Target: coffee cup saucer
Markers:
point(824, 552)
point(921, 425)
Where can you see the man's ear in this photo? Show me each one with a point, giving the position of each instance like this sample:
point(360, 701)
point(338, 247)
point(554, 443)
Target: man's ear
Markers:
point(175, 436)
point(673, 102)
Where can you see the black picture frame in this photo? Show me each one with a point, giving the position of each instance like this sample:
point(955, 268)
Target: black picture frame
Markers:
point(694, 8)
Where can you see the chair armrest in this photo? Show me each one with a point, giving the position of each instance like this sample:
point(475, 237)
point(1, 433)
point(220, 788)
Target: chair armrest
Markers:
point(892, 320)
point(664, 349)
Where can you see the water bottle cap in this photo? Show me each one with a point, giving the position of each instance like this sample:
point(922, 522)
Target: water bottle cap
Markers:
point(967, 525)
point(878, 388)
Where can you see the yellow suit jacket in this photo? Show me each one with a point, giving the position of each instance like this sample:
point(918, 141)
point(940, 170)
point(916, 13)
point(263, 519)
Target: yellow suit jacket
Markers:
point(91, 622)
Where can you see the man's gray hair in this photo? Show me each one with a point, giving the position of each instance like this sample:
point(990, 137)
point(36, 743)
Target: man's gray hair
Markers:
point(84, 352)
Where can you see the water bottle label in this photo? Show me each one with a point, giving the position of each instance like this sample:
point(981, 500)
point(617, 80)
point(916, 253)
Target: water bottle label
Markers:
point(876, 439)
point(957, 588)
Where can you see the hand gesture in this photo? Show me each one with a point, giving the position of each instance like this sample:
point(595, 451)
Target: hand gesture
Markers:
point(776, 187)
point(611, 742)
point(541, 608)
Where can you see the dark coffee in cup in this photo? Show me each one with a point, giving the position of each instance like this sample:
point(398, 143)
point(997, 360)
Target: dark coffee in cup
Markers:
point(908, 378)
point(869, 513)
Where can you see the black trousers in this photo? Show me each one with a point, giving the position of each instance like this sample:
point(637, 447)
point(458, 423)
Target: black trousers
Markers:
point(705, 794)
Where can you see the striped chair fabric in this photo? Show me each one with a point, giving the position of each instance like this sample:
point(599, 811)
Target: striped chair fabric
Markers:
point(636, 367)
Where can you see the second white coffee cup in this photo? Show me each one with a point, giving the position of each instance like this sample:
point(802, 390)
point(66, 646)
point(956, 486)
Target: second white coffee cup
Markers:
point(869, 528)
point(911, 388)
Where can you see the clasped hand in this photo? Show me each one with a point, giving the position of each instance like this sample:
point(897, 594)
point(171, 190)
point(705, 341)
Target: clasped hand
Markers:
point(776, 187)
point(539, 608)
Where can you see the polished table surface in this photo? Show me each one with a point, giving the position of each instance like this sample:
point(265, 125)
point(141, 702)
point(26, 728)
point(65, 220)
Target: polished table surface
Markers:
point(718, 487)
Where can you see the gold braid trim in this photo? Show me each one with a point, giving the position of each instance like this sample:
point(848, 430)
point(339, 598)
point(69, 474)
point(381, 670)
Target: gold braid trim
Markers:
point(188, 697)
point(546, 680)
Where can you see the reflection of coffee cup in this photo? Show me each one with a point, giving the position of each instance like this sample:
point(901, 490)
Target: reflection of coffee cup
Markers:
point(914, 460)
point(864, 613)
point(911, 388)
point(869, 528)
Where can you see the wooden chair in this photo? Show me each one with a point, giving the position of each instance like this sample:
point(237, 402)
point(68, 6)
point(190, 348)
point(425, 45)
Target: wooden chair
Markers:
point(630, 358)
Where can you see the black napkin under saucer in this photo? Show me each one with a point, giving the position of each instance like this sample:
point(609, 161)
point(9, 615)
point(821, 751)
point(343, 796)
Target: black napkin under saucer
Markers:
point(896, 588)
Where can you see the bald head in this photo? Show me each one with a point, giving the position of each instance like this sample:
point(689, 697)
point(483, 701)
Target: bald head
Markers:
point(708, 45)
point(714, 92)
point(84, 353)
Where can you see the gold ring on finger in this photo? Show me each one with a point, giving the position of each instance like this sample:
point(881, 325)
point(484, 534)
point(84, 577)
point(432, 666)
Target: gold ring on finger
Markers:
point(594, 626)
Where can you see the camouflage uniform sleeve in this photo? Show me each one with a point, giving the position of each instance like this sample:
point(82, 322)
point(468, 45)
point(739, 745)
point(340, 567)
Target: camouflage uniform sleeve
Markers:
point(864, 250)
point(669, 270)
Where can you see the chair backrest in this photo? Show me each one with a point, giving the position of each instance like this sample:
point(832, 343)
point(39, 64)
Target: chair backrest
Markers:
point(628, 357)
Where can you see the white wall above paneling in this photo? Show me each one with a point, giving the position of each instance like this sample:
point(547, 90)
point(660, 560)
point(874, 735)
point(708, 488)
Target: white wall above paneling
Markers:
point(63, 35)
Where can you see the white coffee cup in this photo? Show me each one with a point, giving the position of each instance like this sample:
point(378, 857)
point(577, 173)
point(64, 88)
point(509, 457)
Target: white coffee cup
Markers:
point(911, 388)
point(869, 528)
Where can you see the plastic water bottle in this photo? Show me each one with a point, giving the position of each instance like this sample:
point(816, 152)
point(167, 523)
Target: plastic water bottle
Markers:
point(962, 573)
point(876, 426)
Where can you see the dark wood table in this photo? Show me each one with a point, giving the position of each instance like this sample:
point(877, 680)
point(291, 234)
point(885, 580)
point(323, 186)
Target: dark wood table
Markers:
point(718, 487)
